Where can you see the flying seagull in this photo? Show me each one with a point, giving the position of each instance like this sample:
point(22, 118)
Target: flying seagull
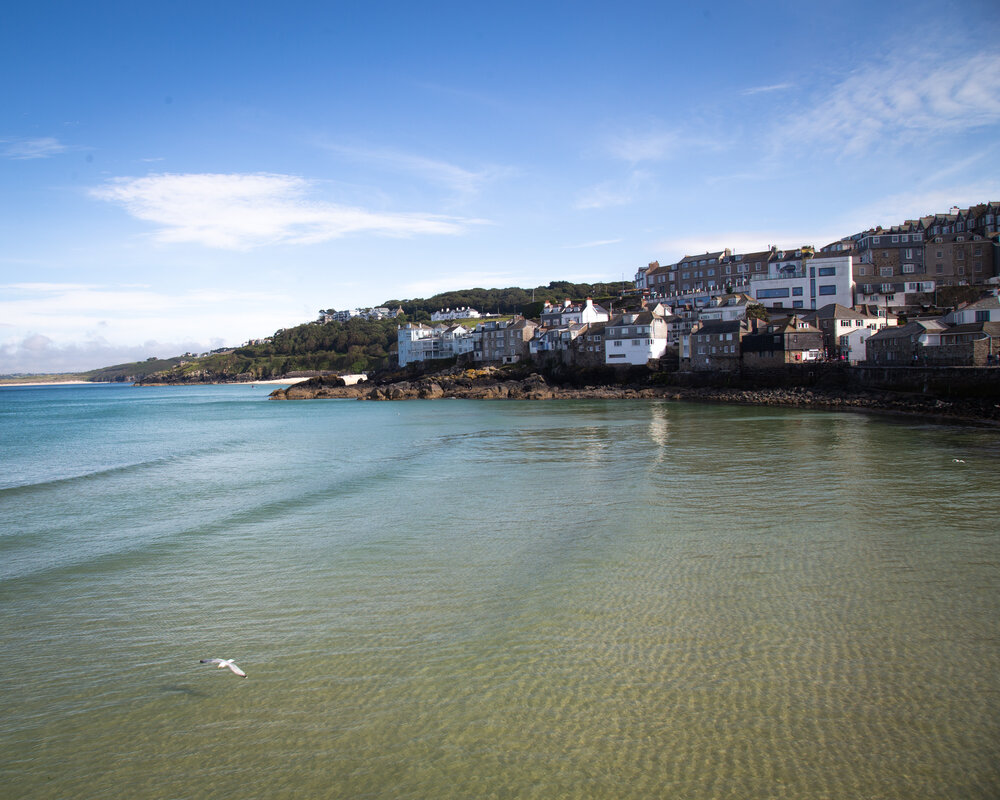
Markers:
point(225, 662)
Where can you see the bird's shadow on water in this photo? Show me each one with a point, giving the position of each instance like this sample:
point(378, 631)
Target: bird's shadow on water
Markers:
point(187, 690)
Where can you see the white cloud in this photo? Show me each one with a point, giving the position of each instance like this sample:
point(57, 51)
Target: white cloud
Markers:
point(649, 146)
point(25, 149)
point(598, 243)
point(900, 98)
point(613, 193)
point(896, 208)
point(777, 87)
point(242, 211)
point(451, 176)
point(85, 326)
point(38, 354)
point(750, 241)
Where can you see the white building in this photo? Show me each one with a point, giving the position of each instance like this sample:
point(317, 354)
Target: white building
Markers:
point(726, 308)
point(557, 316)
point(797, 279)
point(446, 314)
point(985, 310)
point(634, 338)
point(423, 343)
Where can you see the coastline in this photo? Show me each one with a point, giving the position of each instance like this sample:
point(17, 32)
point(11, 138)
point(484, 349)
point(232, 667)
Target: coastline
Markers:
point(53, 383)
point(486, 386)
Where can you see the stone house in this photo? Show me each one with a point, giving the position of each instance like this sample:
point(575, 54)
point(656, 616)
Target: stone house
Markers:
point(787, 341)
point(900, 346)
point(587, 349)
point(504, 341)
point(974, 344)
point(715, 345)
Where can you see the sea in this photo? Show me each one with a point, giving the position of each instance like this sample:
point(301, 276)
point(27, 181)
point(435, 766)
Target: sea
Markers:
point(492, 599)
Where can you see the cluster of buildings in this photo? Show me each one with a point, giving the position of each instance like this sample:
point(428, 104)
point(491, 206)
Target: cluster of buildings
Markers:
point(728, 311)
point(896, 268)
point(330, 315)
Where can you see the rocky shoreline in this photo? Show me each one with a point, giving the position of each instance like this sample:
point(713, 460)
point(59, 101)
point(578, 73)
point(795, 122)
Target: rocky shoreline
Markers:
point(493, 384)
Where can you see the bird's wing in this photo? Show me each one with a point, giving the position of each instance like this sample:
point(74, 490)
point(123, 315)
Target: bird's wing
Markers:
point(211, 661)
point(237, 670)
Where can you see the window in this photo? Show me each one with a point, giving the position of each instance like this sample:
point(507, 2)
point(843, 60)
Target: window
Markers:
point(909, 253)
point(908, 268)
point(825, 271)
point(862, 271)
point(875, 239)
point(939, 268)
point(885, 272)
point(828, 289)
point(796, 291)
point(798, 304)
point(895, 239)
point(763, 294)
point(983, 316)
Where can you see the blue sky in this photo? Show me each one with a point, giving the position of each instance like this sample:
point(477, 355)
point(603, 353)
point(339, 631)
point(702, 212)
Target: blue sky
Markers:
point(185, 176)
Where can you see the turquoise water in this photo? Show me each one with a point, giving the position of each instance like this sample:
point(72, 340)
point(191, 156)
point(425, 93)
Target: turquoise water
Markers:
point(451, 599)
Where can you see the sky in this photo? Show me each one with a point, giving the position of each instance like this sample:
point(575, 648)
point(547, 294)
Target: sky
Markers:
point(184, 176)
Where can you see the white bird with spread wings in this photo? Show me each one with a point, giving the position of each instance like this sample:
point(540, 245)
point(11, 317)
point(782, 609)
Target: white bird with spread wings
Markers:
point(225, 662)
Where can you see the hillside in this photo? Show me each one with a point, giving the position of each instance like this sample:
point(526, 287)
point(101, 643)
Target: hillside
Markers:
point(527, 302)
point(350, 347)
point(354, 346)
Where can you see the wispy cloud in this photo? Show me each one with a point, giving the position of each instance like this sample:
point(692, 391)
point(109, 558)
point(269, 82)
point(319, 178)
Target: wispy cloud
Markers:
point(613, 192)
point(777, 87)
point(442, 173)
point(26, 149)
point(895, 208)
point(598, 243)
point(243, 211)
point(57, 327)
point(743, 241)
point(900, 98)
point(648, 146)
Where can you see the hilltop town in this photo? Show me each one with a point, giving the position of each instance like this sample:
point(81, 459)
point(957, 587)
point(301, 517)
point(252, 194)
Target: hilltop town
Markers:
point(923, 292)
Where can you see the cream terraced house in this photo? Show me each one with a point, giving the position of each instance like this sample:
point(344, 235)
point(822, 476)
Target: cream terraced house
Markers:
point(634, 339)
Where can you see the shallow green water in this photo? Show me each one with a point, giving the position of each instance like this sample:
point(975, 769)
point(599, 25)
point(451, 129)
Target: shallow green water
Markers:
point(492, 599)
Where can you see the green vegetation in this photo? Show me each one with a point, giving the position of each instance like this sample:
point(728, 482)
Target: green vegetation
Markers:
point(349, 347)
point(134, 371)
point(355, 346)
point(513, 300)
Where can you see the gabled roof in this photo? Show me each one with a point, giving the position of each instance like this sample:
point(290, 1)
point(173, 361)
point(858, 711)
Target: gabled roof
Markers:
point(909, 330)
point(640, 318)
point(991, 329)
point(981, 304)
point(717, 326)
point(834, 311)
